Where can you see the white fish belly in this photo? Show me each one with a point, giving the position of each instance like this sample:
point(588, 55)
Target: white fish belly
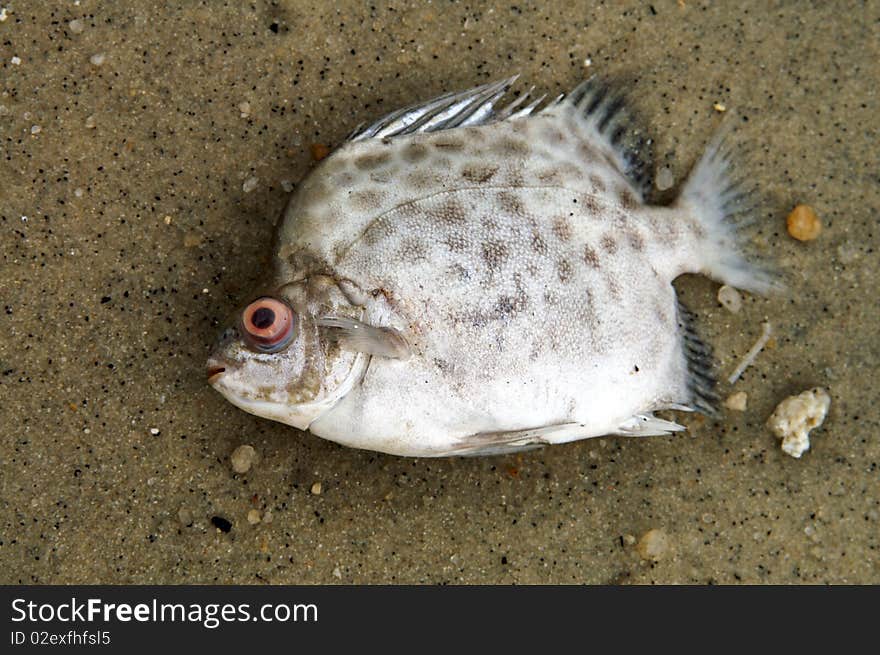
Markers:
point(525, 307)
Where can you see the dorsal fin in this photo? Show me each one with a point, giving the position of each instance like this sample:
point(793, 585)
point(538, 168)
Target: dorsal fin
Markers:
point(698, 354)
point(603, 108)
point(458, 109)
point(600, 106)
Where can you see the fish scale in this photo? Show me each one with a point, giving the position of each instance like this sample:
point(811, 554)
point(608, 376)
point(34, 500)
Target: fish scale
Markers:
point(469, 281)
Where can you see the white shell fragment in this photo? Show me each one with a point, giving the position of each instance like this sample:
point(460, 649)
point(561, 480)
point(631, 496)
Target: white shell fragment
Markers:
point(737, 401)
point(752, 354)
point(243, 458)
point(795, 416)
point(664, 179)
point(730, 299)
point(654, 545)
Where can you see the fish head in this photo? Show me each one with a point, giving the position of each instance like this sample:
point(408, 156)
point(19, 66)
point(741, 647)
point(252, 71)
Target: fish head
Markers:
point(272, 361)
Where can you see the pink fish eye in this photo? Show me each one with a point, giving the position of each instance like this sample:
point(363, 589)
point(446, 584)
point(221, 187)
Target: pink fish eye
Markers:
point(268, 323)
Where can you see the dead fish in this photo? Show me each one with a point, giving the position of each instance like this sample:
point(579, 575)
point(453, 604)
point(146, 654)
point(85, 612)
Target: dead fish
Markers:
point(460, 279)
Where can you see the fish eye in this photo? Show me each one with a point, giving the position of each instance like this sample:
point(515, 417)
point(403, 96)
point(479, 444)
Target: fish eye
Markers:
point(268, 324)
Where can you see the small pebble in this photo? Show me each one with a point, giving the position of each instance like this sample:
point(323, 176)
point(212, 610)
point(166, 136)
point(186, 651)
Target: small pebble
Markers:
point(243, 458)
point(730, 299)
point(267, 517)
point(192, 240)
point(253, 517)
point(91, 122)
point(319, 151)
point(664, 179)
point(337, 573)
point(287, 185)
point(15, 61)
point(36, 129)
point(167, 220)
point(76, 26)
point(720, 108)
point(244, 108)
point(98, 59)
point(250, 184)
point(4, 110)
point(803, 224)
point(654, 545)
point(3, 14)
point(154, 432)
point(629, 539)
point(737, 401)
point(78, 192)
point(184, 516)
point(316, 488)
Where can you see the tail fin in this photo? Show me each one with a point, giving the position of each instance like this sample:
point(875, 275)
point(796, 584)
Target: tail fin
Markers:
point(717, 199)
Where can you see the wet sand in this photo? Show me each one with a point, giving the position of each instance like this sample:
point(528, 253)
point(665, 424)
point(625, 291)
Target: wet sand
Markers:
point(145, 152)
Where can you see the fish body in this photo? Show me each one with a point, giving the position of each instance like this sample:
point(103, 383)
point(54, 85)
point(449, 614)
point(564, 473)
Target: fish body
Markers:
point(488, 283)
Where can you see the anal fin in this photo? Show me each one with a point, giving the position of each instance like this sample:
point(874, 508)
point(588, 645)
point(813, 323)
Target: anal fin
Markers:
point(698, 357)
point(498, 443)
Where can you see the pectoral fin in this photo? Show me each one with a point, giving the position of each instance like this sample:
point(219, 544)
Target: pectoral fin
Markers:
point(362, 337)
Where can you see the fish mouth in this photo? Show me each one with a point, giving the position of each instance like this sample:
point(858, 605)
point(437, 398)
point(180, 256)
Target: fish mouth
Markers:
point(214, 372)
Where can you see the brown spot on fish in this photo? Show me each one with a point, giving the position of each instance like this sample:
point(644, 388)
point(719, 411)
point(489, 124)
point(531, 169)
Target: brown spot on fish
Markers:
point(495, 253)
point(597, 182)
point(384, 176)
point(613, 287)
point(588, 152)
point(570, 172)
point(554, 135)
point(344, 179)
point(456, 242)
point(450, 213)
point(660, 314)
point(591, 203)
point(511, 203)
point(514, 177)
point(591, 258)
point(550, 175)
point(413, 249)
point(379, 230)
point(369, 162)
point(508, 305)
point(562, 228)
point(538, 243)
point(489, 223)
point(478, 173)
point(459, 271)
point(511, 146)
point(366, 199)
point(563, 270)
point(698, 229)
point(448, 143)
point(415, 152)
point(635, 240)
point(608, 244)
point(443, 365)
point(422, 179)
point(627, 200)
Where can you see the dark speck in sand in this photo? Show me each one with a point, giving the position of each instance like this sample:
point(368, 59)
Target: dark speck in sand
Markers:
point(221, 524)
